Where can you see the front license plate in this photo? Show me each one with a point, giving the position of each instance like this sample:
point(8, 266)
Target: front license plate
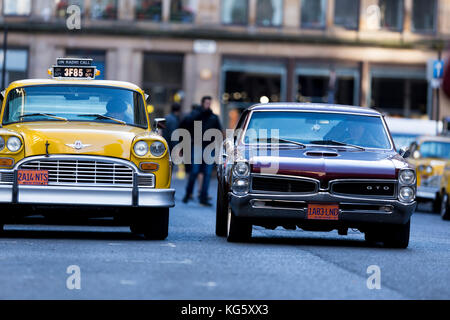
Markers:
point(323, 212)
point(32, 177)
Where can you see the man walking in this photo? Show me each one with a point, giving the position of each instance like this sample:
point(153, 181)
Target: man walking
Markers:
point(208, 121)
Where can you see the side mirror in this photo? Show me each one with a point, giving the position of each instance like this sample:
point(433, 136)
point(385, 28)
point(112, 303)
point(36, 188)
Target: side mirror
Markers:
point(405, 153)
point(159, 123)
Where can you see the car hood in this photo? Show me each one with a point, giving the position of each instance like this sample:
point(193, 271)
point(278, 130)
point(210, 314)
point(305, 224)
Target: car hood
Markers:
point(97, 138)
point(327, 164)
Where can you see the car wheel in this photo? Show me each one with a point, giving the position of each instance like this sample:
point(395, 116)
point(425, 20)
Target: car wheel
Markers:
point(397, 236)
point(153, 224)
point(238, 230)
point(437, 203)
point(221, 212)
point(445, 207)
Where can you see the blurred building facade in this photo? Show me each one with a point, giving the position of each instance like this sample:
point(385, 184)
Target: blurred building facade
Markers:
point(362, 52)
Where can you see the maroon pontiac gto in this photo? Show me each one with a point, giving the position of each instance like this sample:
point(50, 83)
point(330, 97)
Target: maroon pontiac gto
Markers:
point(317, 167)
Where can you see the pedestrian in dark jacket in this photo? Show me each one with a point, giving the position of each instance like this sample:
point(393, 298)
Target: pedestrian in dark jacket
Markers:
point(172, 124)
point(209, 121)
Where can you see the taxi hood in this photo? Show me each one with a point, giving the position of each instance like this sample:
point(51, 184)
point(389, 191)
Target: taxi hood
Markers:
point(102, 139)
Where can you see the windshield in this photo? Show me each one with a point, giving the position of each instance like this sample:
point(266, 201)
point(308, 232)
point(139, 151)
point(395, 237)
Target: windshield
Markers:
point(319, 128)
point(75, 103)
point(435, 149)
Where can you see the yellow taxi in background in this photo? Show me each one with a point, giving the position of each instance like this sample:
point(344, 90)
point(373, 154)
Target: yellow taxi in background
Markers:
point(445, 193)
point(84, 144)
point(430, 155)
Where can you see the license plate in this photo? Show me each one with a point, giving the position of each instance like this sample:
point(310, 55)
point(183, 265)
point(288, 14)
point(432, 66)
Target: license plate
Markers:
point(323, 212)
point(32, 177)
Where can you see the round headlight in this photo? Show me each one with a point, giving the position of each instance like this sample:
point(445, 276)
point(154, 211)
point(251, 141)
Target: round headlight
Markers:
point(406, 194)
point(157, 148)
point(240, 186)
point(14, 144)
point(429, 169)
point(2, 143)
point(141, 148)
point(241, 169)
point(407, 177)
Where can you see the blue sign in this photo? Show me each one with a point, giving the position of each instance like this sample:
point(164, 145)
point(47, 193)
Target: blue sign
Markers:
point(438, 69)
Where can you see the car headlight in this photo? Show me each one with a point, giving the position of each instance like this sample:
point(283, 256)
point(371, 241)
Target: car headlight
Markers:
point(241, 169)
point(429, 169)
point(141, 148)
point(240, 187)
point(14, 144)
point(2, 143)
point(157, 148)
point(406, 194)
point(407, 177)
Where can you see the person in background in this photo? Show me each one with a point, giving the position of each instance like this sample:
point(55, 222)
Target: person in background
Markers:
point(209, 121)
point(172, 124)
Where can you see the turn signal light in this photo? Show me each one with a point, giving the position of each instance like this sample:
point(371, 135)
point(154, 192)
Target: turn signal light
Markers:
point(97, 73)
point(149, 166)
point(6, 162)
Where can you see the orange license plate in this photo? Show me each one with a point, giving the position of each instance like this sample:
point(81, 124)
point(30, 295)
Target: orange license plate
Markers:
point(32, 177)
point(323, 212)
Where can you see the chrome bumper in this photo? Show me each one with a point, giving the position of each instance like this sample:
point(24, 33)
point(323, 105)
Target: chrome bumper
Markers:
point(427, 192)
point(244, 206)
point(94, 196)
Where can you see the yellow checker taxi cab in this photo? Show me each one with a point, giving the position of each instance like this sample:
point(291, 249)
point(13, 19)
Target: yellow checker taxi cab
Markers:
point(430, 154)
point(73, 142)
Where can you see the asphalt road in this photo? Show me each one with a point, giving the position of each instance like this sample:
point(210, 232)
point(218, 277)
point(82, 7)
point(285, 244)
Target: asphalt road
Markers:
point(195, 264)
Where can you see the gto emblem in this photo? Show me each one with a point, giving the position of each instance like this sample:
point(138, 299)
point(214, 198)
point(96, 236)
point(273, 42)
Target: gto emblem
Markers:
point(386, 188)
point(78, 145)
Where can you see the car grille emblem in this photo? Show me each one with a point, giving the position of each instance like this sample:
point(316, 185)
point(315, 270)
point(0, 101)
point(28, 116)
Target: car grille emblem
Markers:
point(78, 145)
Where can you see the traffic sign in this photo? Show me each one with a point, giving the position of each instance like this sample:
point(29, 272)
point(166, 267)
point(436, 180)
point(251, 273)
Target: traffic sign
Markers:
point(435, 72)
point(438, 69)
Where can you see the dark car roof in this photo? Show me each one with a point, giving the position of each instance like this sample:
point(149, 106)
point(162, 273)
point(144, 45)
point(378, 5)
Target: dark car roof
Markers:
point(314, 107)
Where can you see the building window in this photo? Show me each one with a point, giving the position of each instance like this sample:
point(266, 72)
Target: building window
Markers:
point(313, 14)
point(346, 14)
point(235, 12)
point(98, 57)
point(16, 7)
point(149, 10)
point(104, 9)
point(407, 88)
point(246, 82)
point(163, 80)
point(319, 83)
point(391, 14)
point(424, 16)
point(62, 5)
point(16, 65)
point(269, 13)
point(183, 11)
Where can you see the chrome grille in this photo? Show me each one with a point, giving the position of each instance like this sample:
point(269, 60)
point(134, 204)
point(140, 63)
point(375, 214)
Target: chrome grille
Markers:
point(6, 177)
point(81, 172)
point(384, 189)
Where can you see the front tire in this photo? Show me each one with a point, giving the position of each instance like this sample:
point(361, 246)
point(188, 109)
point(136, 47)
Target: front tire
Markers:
point(392, 236)
point(153, 223)
point(221, 212)
point(437, 203)
point(238, 230)
point(445, 207)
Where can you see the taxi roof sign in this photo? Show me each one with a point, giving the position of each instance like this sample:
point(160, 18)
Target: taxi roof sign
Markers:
point(73, 68)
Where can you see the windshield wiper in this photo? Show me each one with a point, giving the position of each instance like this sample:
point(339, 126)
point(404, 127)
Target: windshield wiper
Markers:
point(42, 114)
point(102, 116)
point(282, 140)
point(336, 143)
